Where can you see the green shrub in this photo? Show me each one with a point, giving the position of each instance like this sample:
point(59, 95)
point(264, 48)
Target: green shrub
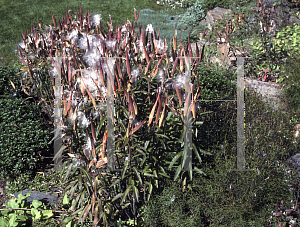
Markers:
point(176, 3)
point(22, 137)
point(20, 213)
point(194, 14)
point(287, 40)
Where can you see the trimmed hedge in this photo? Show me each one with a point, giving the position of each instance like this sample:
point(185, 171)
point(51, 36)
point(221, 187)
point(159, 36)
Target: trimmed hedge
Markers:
point(23, 139)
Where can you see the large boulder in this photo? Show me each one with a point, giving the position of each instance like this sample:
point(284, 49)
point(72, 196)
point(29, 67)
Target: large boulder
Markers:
point(216, 14)
point(46, 198)
point(293, 164)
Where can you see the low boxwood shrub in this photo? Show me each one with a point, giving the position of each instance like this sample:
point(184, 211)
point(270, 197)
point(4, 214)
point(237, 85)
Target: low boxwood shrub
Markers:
point(23, 139)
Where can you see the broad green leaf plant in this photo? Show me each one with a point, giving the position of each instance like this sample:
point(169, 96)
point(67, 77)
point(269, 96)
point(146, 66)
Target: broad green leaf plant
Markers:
point(19, 213)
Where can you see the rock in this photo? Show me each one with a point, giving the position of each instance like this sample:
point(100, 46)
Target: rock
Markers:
point(216, 14)
point(46, 198)
point(271, 93)
point(293, 164)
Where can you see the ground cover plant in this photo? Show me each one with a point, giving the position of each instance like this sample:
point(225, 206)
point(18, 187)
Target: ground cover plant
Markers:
point(242, 194)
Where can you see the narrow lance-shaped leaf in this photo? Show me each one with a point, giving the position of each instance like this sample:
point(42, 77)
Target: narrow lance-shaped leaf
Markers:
point(127, 64)
point(20, 49)
point(104, 144)
point(202, 53)
point(93, 131)
point(152, 111)
point(190, 48)
point(177, 92)
point(101, 74)
point(174, 38)
point(93, 100)
point(69, 74)
point(158, 109)
point(54, 21)
point(181, 61)
point(146, 55)
point(93, 201)
point(131, 109)
point(119, 35)
point(59, 24)
point(85, 213)
point(65, 104)
point(174, 66)
point(126, 193)
point(22, 61)
point(93, 150)
point(117, 196)
point(163, 113)
point(150, 191)
point(138, 126)
point(137, 17)
point(140, 29)
point(136, 193)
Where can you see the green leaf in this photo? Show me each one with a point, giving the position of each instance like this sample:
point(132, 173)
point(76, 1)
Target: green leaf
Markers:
point(36, 203)
point(199, 171)
point(190, 171)
point(140, 151)
point(175, 159)
point(66, 220)
point(146, 144)
point(115, 182)
point(69, 224)
point(125, 168)
point(59, 152)
point(126, 193)
point(21, 217)
point(146, 168)
point(136, 193)
point(196, 152)
point(177, 172)
point(205, 152)
point(3, 222)
point(47, 213)
point(150, 191)
point(36, 214)
point(65, 200)
point(87, 175)
point(21, 197)
point(100, 125)
point(126, 205)
point(13, 204)
point(12, 220)
point(68, 172)
point(117, 197)
point(163, 174)
point(163, 136)
point(138, 175)
point(125, 142)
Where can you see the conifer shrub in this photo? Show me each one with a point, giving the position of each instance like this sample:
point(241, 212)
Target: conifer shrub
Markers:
point(194, 14)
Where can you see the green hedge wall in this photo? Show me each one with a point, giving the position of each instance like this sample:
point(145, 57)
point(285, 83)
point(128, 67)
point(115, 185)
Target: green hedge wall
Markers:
point(23, 138)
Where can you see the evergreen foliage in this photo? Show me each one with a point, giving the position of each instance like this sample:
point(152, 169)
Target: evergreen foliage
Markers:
point(194, 14)
point(23, 139)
